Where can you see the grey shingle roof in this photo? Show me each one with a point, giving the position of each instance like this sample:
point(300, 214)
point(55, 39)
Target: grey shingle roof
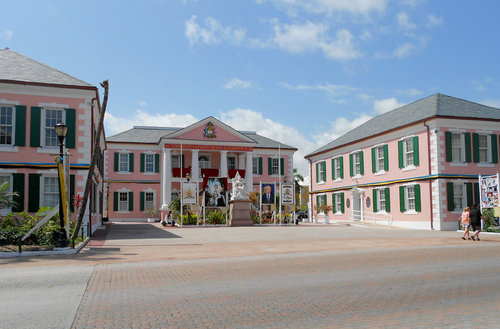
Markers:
point(17, 67)
point(152, 135)
point(432, 106)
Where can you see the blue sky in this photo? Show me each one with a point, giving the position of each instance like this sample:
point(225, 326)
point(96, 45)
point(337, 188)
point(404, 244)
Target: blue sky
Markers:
point(301, 72)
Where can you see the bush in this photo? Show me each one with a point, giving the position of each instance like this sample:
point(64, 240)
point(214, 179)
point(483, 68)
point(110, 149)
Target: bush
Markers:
point(189, 220)
point(215, 217)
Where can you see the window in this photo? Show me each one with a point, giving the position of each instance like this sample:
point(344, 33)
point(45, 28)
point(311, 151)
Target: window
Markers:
point(50, 191)
point(460, 195)
point(231, 162)
point(409, 198)
point(149, 200)
point(485, 148)
point(338, 202)
point(6, 125)
point(255, 166)
point(380, 159)
point(52, 117)
point(123, 162)
point(123, 201)
point(149, 163)
point(381, 200)
point(204, 162)
point(337, 168)
point(408, 152)
point(457, 147)
point(321, 171)
point(5, 179)
point(275, 167)
point(356, 163)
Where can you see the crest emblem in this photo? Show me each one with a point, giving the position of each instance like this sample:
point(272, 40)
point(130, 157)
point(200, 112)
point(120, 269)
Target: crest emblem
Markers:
point(209, 131)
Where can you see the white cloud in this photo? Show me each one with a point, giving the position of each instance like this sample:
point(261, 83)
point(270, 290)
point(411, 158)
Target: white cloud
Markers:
point(212, 32)
point(433, 20)
point(339, 127)
point(386, 105)
point(404, 21)
point(334, 92)
point(297, 38)
point(357, 7)
point(404, 50)
point(235, 83)
point(6, 34)
point(115, 124)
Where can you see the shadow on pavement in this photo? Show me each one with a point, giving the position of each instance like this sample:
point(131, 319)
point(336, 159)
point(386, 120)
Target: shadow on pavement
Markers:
point(126, 231)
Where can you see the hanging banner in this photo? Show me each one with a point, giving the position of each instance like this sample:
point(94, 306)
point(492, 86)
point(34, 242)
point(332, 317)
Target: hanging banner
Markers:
point(189, 194)
point(215, 193)
point(488, 187)
point(287, 194)
point(267, 193)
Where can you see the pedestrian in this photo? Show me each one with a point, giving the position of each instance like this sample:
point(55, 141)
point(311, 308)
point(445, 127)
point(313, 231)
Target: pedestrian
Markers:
point(475, 221)
point(465, 218)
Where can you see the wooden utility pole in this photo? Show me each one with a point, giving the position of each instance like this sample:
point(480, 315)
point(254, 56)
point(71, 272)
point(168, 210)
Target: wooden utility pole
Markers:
point(95, 157)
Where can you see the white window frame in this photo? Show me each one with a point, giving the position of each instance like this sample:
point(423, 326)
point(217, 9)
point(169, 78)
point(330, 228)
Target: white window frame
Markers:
point(457, 148)
point(381, 201)
point(12, 125)
point(120, 162)
point(338, 203)
point(356, 164)
point(124, 202)
point(153, 202)
point(44, 128)
point(379, 159)
point(408, 162)
point(43, 193)
point(337, 169)
point(320, 171)
point(486, 149)
point(8, 179)
point(152, 163)
point(275, 166)
point(234, 165)
point(255, 166)
point(408, 198)
point(461, 188)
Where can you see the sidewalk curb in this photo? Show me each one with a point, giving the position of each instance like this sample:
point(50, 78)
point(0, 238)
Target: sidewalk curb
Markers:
point(63, 251)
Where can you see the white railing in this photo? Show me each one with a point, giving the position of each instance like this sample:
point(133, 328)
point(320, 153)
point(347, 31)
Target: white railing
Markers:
point(371, 217)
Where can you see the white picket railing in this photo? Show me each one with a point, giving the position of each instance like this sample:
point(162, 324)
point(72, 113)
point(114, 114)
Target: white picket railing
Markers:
point(371, 217)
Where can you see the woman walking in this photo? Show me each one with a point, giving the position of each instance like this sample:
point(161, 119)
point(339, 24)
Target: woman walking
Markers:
point(465, 217)
point(475, 221)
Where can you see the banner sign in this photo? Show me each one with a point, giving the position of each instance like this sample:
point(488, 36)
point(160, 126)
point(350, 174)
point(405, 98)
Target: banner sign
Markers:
point(287, 194)
point(488, 187)
point(189, 194)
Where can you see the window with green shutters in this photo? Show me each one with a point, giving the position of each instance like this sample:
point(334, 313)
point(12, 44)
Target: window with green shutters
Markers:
point(147, 201)
point(356, 165)
point(380, 158)
point(381, 200)
point(460, 195)
point(257, 166)
point(485, 148)
point(124, 162)
point(337, 168)
point(43, 121)
point(276, 166)
point(123, 201)
point(458, 146)
point(150, 162)
point(408, 152)
point(409, 198)
point(338, 203)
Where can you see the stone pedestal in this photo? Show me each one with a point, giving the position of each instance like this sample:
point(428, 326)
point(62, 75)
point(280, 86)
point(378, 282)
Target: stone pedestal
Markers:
point(239, 213)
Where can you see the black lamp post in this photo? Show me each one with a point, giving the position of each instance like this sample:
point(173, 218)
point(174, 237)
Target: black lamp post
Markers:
point(61, 131)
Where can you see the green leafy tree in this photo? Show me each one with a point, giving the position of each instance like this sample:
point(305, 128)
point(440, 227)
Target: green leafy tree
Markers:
point(6, 197)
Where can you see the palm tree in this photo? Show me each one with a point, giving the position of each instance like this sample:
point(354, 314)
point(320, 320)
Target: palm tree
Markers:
point(297, 178)
point(6, 197)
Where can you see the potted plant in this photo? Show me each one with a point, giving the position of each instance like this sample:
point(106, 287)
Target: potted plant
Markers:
point(323, 211)
point(152, 214)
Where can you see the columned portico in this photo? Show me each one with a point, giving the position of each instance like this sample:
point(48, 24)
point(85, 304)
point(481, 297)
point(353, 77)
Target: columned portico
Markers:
point(195, 172)
point(165, 180)
point(223, 163)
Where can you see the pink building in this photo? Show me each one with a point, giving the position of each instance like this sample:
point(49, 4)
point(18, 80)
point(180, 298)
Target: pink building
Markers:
point(416, 166)
point(145, 165)
point(33, 98)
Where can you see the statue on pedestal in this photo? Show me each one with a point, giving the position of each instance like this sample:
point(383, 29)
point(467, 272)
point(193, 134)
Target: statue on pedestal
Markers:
point(239, 188)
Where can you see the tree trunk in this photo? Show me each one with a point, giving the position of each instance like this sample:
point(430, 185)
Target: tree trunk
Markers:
point(93, 163)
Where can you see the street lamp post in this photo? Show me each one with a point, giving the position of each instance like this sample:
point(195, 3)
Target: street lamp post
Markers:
point(62, 240)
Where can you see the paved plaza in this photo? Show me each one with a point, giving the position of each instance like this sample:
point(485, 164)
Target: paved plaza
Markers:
point(148, 276)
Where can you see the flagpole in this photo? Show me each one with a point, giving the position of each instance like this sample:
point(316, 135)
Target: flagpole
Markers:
point(182, 196)
point(279, 176)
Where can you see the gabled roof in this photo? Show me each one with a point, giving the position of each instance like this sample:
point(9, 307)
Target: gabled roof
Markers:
point(437, 105)
point(19, 68)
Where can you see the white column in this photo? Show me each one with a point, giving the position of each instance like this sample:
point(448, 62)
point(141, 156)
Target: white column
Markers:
point(166, 182)
point(195, 165)
point(223, 164)
point(241, 160)
point(249, 172)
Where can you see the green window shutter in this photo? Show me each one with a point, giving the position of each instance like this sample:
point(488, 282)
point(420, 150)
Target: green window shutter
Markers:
point(387, 199)
point(468, 157)
point(317, 172)
point(117, 155)
point(71, 123)
point(475, 146)
point(324, 170)
point(260, 166)
point(400, 154)
point(375, 207)
point(362, 164)
point(334, 203)
point(35, 126)
point(20, 138)
point(72, 192)
point(115, 201)
point(476, 193)
point(142, 201)
point(282, 166)
point(333, 169)
point(131, 162)
point(317, 204)
point(386, 157)
point(494, 148)
point(418, 204)
point(130, 201)
point(342, 208)
point(18, 187)
point(157, 163)
point(416, 160)
point(324, 200)
point(447, 137)
point(143, 158)
point(34, 192)
point(351, 165)
point(374, 163)
point(402, 205)
point(270, 166)
point(450, 196)
point(341, 159)
point(470, 195)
